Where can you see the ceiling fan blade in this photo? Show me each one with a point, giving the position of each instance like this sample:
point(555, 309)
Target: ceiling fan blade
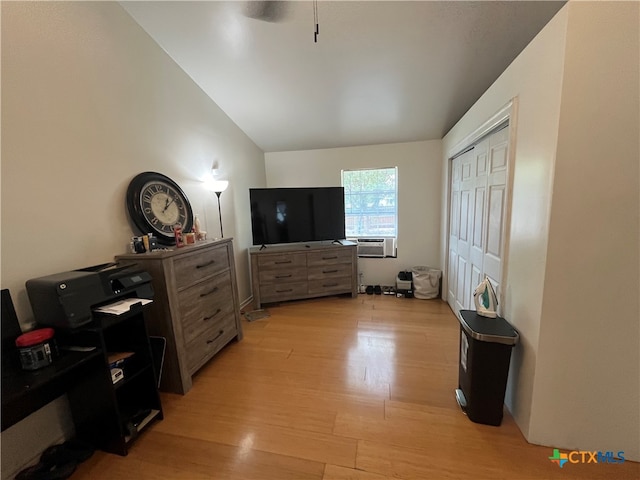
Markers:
point(267, 11)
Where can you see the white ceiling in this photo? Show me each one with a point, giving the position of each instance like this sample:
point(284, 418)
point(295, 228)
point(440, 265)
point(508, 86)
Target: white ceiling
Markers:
point(381, 72)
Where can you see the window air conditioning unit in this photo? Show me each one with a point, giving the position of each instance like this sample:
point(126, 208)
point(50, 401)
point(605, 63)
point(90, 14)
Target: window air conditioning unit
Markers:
point(375, 247)
point(371, 247)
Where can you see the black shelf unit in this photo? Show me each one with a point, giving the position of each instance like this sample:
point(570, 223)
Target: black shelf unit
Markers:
point(24, 392)
point(111, 415)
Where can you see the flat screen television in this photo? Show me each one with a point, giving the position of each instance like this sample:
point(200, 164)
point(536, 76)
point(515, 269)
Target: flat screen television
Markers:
point(289, 215)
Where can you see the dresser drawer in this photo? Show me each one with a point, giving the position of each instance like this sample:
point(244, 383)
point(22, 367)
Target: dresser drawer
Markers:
point(282, 291)
point(330, 271)
point(330, 285)
point(283, 275)
point(315, 259)
point(199, 265)
point(282, 261)
point(207, 344)
point(204, 304)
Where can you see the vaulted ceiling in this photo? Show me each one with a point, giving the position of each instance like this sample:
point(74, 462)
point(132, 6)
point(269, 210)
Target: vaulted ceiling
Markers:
point(380, 72)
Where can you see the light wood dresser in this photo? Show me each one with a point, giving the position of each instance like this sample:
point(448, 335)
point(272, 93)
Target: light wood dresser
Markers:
point(297, 271)
point(195, 306)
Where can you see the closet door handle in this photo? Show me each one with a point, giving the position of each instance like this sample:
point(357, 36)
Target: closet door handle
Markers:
point(216, 337)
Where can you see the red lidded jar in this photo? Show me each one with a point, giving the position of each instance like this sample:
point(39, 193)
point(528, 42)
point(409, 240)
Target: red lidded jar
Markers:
point(37, 348)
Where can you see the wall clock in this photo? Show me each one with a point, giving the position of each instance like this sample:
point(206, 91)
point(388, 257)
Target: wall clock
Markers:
point(156, 204)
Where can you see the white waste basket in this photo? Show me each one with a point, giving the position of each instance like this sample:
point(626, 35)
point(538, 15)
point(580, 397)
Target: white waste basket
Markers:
point(426, 282)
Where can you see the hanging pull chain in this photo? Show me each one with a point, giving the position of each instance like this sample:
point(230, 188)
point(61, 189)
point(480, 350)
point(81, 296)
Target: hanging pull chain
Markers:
point(316, 21)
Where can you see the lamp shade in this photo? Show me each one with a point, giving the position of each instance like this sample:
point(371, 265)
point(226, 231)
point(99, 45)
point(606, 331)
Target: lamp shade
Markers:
point(219, 185)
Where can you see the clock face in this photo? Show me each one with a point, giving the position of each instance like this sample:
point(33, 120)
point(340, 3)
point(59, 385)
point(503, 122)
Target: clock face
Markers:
point(163, 206)
point(156, 204)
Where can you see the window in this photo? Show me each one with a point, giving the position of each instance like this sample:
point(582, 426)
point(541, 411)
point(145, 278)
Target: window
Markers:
point(371, 202)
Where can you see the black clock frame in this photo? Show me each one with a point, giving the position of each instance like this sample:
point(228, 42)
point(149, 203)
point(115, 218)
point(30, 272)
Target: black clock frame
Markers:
point(134, 206)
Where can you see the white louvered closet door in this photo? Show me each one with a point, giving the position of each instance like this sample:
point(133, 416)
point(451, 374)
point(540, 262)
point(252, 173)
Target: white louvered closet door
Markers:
point(477, 218)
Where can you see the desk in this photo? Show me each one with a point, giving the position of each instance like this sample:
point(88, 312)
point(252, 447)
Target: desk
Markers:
point(24, 392)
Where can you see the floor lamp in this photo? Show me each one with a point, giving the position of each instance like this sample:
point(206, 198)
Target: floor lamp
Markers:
point(219, 186)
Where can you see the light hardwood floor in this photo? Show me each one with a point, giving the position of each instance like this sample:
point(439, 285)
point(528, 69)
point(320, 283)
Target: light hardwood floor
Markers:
point(335, 389)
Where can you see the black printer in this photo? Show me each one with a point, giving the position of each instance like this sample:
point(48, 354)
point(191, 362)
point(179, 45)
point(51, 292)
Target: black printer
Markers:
point(66, 300)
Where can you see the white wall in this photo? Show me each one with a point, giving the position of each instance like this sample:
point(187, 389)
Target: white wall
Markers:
point(89, 101)
point(573, 278)
point(418, 195)
point(587, 386)
point(535, 78)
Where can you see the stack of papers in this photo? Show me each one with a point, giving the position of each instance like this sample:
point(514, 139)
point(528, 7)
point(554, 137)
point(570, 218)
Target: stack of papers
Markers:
point(121, 306)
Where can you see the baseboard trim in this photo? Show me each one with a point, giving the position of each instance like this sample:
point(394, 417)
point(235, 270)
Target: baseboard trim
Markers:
point(246, 302)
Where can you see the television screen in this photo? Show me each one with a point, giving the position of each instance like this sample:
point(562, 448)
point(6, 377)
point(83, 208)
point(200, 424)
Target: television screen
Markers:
point(286, 215)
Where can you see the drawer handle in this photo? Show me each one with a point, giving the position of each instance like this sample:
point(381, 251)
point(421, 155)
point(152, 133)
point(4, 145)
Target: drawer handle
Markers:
point(330, 285)
point(216, 337)
point(329, 258)
point(329, 271)
point(283, 261)
point(215, 289)
point(283, 276)
point(211, 316)
point(210, 262)
point(284, 291)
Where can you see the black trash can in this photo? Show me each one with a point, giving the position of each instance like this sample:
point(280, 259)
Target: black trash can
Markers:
point(485, 353)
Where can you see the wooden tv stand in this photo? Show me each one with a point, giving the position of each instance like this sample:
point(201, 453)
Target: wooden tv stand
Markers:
point(303, 270)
